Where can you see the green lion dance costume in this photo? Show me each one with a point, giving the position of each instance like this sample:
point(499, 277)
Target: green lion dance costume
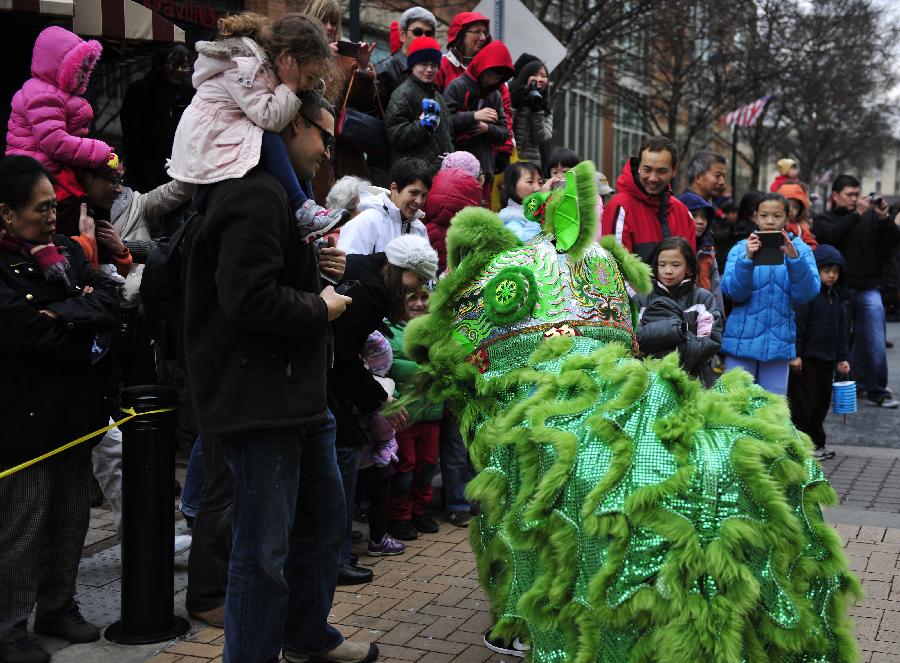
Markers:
point(627, 514)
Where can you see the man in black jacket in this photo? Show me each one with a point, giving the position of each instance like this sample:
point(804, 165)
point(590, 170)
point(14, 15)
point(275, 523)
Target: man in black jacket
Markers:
point(391, 72)
point(256, 328)
point(867, 237)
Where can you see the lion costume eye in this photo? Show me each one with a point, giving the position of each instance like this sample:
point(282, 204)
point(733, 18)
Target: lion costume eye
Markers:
point(510, 296)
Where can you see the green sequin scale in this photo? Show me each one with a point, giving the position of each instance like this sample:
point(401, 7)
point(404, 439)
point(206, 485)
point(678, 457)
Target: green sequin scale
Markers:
point(629, 515)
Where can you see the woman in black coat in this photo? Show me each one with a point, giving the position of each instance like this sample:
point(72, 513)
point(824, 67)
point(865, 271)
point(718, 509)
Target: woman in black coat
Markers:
point(52, 307)
point(378, 285)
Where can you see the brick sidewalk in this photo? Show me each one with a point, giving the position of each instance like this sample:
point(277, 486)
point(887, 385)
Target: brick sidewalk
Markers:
point(425, 605)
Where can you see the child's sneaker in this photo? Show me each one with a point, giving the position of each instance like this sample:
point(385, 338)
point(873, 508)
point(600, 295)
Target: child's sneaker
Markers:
point(314, 221)
point(386, 547)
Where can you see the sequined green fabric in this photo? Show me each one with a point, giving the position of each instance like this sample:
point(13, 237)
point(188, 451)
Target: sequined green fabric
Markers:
point(611, 494)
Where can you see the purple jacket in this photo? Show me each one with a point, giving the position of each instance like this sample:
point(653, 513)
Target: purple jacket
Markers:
point(49, 119)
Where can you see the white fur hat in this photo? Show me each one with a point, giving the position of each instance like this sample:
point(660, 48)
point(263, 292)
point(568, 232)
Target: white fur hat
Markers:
point(413, 252)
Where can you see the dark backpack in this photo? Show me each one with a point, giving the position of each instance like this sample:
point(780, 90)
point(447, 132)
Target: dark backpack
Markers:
point(162, 283)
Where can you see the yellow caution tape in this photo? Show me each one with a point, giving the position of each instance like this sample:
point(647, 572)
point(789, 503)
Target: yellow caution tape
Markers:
point(84, 438)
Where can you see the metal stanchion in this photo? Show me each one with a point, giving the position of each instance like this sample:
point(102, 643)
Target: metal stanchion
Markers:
point(148, 522)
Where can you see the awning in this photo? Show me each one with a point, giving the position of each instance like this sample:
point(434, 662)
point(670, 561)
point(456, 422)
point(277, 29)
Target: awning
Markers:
point(110, 19)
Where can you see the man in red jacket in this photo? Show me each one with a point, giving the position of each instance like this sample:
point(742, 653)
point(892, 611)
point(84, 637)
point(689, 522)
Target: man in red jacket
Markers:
point(644, 211)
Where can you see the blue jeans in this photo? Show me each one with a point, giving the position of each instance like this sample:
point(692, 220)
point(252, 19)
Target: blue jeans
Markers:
point(288, 511)
point(192, 491)
point(867, 356)
point(770, 375)
point(456, 469)
point(348, 462)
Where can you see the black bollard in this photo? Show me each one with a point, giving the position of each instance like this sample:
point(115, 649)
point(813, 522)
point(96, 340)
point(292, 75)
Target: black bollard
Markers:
point(148, 521)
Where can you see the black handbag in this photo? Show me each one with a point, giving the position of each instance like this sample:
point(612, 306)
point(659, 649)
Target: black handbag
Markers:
point(361, 130)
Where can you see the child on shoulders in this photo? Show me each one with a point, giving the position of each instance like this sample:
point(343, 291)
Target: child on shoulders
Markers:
point(247, 83)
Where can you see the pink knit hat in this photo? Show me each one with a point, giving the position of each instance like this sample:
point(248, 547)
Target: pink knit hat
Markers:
point(465, 161)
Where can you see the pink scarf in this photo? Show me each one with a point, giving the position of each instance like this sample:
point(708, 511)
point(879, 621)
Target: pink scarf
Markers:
point(49, 257)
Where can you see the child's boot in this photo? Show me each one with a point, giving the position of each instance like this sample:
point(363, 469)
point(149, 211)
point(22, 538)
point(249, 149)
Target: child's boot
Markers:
point(314, 221)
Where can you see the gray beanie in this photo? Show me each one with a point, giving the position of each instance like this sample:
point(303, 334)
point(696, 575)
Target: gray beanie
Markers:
point(417, 14)
point(413, 252)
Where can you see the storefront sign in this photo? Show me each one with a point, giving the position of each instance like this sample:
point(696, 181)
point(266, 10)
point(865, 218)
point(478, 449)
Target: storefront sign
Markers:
point(200, 13)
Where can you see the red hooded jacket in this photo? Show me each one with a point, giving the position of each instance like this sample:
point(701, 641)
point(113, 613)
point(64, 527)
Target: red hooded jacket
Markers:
point(633, 215)
point(452, 190)
point(464, 96)
point(452, 68)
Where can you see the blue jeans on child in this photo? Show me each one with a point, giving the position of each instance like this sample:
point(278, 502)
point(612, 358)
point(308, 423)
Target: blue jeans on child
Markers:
point(770, 375)
point(868, 358)
point(287, 524)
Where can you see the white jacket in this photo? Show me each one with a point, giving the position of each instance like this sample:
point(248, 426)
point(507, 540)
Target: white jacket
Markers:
point(129, 216)
point(378, 222)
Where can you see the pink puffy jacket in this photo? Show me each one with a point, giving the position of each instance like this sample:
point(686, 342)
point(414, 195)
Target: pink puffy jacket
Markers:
point(49, 118)
point(219, 135)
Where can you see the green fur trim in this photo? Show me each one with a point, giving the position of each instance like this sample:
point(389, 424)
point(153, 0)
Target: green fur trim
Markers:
point(586, 187)
point(479, 232)
point(634, 270)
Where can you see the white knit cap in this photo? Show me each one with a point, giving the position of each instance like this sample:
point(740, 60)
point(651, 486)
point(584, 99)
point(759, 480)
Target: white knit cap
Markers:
point(413, 252)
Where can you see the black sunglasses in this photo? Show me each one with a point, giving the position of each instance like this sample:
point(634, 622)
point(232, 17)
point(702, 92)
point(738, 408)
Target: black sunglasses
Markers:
point(327, 137)
point(418, 32)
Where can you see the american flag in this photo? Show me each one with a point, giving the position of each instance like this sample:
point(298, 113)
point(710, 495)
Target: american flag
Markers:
point(745, 116)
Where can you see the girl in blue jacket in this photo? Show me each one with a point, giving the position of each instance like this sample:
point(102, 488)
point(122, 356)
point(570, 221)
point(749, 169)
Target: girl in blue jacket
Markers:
point(761, 331)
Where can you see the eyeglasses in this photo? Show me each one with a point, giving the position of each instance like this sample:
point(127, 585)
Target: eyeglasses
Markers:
point(327, 136)
point(418, 32)
point(478, 33)
point(115, 180)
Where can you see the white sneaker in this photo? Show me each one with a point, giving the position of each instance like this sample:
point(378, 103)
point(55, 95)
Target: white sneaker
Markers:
point(887, 402)
point(182, 543)
point(515, 648)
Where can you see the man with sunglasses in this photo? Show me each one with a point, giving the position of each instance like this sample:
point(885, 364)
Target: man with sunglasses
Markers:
point(390, 73)
point(256, 329)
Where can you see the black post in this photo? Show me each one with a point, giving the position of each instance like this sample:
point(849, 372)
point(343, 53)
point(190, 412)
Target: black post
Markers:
point(355, 29)
point(148, 521)
point(734, 140)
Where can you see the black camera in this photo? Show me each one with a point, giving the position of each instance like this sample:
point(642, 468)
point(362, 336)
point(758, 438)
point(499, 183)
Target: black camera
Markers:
point(875, 200)
point(535, 98)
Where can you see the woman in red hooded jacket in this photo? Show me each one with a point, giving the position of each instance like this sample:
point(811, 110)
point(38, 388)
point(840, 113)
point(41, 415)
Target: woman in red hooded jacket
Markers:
point(467, 35)
point(475, 103)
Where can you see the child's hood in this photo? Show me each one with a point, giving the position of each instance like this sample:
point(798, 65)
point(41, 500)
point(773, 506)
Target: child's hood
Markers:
point(825, 254)
point(494, 55)
point(214, 57)
point(58, 57)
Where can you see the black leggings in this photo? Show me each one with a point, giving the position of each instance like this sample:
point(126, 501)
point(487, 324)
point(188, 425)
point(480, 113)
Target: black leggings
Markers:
point(371, 484)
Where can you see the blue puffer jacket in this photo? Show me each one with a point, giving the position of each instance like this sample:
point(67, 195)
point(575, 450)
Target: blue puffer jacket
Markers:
point(762, 324)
